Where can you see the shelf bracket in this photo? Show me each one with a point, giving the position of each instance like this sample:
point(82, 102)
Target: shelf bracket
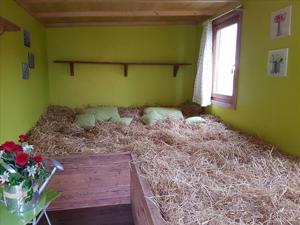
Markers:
point(71, 69)
point(175, 69)
point(7, 26)
point(125, 70)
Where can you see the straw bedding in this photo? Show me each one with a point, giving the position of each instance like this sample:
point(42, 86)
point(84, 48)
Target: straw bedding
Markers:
point(205, 174)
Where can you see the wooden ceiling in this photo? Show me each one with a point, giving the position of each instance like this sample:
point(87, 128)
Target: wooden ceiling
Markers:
point(66, 13)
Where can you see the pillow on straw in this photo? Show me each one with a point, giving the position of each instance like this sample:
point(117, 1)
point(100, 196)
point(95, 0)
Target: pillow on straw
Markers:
point(85, 120)
point(195, 120)
point(151, 118)
point(165, 112)
point(103, 113)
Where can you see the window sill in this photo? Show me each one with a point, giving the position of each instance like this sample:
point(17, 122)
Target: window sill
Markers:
point(226, 103)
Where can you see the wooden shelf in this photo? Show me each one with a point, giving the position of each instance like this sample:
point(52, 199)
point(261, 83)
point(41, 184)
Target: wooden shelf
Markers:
point(7, 26)
point(71, 63)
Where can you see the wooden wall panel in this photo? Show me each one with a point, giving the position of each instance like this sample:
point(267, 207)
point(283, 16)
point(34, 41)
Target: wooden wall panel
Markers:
point(144, 211)
point(92, 181)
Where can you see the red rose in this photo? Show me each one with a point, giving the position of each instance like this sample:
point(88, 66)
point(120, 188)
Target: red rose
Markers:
point(23, 138)
point(38, 159)
point(22, 158)
point(10, 146)
point(18, 148)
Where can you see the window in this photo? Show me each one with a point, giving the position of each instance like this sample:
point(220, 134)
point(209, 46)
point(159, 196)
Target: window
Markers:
point(226, 54)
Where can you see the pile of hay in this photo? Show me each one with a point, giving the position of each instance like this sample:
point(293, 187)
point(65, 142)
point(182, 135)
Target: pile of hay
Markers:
point(205, 174)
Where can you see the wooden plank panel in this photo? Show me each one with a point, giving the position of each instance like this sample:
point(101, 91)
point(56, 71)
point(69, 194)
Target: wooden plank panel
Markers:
point(144, 211)
point(92, 181)
point(74, 200)
point(59, 13)
point(104, 14)
point(121, 20)
point(68, 6)
point(120, 23)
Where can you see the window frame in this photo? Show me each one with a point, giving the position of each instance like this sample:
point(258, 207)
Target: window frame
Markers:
point(222, 22)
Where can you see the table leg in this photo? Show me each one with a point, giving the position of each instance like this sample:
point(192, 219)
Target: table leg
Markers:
point(44, 212)
point(47, 218)
point(34, 222)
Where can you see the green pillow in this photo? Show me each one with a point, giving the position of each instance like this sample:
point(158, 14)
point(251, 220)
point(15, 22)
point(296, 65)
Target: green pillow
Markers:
point(89, 111)
point(151, 118)
point(165, 112)
point(85, 120)
point(124, 120)
point(194, 120)
point(103, 113)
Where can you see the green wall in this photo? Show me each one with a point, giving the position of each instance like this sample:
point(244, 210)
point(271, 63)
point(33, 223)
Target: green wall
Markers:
point(267, 107)
point(21, 101)
point(105, 84)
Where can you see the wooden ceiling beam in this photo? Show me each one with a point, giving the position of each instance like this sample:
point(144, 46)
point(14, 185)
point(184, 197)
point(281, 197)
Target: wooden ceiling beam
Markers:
point(130, 1)
point(124, 19)
point(122, 14)
point(102, 7)
point(119, 23)
point(59, 13)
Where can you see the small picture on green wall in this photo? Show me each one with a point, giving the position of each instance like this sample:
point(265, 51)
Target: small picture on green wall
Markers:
point(281, 23)
point(278, 62)
point(31, 62)
point(27, 42)
point(25, 71)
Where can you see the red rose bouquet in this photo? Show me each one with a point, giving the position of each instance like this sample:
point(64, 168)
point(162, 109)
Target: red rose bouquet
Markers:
point(20, 166)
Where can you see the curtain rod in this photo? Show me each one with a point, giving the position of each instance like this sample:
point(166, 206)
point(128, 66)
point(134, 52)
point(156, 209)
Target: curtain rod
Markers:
point(239, 7)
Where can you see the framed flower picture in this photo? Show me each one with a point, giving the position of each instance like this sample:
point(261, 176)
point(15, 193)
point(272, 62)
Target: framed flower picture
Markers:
point(278, 62)
point(281, 23)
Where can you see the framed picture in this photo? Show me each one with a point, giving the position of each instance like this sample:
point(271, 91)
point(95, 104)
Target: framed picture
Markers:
point(31, 61)
point(281, 23)
point(278, 62)
point(25, 71)
point(27, 42)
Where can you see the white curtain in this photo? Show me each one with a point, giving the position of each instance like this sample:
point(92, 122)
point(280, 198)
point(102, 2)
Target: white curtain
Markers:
point(203, 81)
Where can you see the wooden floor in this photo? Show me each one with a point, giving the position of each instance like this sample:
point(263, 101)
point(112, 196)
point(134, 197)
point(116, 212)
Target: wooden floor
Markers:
point(107, 215)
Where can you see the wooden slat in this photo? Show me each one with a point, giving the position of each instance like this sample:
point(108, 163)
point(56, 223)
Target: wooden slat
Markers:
point(118, 23)
point(144, 211)
point(59, 13)
point(129, 20)
point(59, 8)
point(132, 21)
point(140, 1)
point(93, 14)
point(92, 181)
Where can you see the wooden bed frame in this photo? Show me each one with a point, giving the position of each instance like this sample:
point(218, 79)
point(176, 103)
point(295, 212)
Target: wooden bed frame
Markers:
point(95, 182)
point(144, 211)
